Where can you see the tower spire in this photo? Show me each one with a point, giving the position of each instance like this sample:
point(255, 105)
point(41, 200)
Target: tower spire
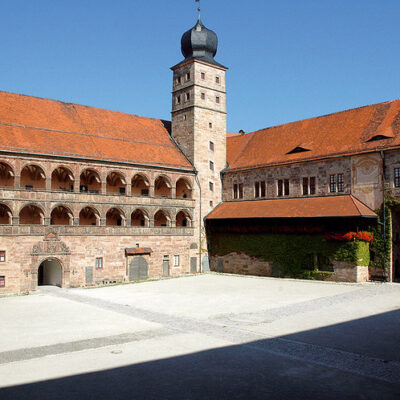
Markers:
point(198, 9)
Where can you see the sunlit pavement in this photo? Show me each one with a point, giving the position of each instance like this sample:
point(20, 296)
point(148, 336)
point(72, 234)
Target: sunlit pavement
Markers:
point(207, 336)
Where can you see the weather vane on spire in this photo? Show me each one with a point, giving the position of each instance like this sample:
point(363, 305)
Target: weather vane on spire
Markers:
point(199, 9)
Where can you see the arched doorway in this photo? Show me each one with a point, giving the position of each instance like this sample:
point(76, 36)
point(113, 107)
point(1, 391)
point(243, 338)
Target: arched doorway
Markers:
point(138, 269)
point(50, 273)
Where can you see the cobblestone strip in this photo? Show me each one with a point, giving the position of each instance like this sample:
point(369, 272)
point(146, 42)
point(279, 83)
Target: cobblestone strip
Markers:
point(328, 357)
point(59, 348)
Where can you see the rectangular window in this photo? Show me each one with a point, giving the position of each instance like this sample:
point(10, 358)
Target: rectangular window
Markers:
point(187, 96)
point(340, 183)
point(262, 188)
point(332, 183)
point(217, 99)
point(178, 80)
point(286, 187)
point(210, 125)
point(2, 281)
point(176, 261)
point(259, 189)
point(178, 99)
point(211, 185)
point(308, 185)
point(203, 75)
point(256, 189)
point(235, 191)
point(217, 80)
point(212, 146)
point(211, 203)
point(2, 256)
point(240, 190)
point(203, 96)
point(312, 185)
point(397, 177)
point(305, 186)
point(211, 166)
point(280, 187)
point(188, 76)
point(99, 262)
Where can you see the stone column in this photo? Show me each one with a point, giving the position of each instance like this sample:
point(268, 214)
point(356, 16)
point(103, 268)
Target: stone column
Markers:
point(17, 181)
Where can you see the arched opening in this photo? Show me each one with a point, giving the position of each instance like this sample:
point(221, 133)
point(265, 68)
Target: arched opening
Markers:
point(139, 218)
point(140, 185)
point(114, 217)
point(116, 184)
point(61, 216)
point(33, 177)
point(183, 219)
point(6, 175)
point(162, 187)
point(62, 179)
point(50, 273)
point(5, 215)
point(31, 215)
point(89, 216)
point(162, 219)
point(90, 181)
point(183, 189)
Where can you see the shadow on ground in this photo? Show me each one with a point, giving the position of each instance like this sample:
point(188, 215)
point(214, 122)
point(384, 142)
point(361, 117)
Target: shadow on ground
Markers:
point(356, 359)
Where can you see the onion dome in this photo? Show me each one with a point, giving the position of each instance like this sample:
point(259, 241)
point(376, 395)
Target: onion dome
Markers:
point(200, 43)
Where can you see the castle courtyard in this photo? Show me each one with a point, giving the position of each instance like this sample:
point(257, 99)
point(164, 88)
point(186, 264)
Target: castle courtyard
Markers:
point(207, 336)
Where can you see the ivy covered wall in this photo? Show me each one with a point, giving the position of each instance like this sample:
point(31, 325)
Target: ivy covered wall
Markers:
point(293, 255)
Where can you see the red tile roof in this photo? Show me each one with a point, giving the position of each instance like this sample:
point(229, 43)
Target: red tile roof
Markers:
point(137, 251)
point(42, 126)
point(342, 133)
point(309, 207)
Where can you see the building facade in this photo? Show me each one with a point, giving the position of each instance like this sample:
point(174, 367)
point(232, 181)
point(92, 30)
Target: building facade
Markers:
point(93, 197)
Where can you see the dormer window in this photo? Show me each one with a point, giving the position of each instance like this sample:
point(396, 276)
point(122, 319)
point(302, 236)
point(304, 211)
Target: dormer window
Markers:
point(298, 149)
point(379, 137)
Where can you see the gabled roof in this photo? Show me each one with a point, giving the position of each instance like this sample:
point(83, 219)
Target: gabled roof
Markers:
point(308, 207)
point(343, 133)
point(42, 126)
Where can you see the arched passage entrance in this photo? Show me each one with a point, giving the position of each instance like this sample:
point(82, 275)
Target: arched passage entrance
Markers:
point(50, 273)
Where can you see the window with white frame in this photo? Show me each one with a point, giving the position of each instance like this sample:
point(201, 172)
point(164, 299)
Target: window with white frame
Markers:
point(176, 261)
point(283, 188)
point(259, 189)
point(309, 185)
point(2, 256)
point(397, 177)
point(99, 262)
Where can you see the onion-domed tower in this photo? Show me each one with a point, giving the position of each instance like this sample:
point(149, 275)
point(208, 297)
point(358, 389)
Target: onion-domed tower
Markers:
point(199, 114)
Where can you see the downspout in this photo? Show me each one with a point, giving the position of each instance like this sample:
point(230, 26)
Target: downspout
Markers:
point(198, 184)
point(384, 209)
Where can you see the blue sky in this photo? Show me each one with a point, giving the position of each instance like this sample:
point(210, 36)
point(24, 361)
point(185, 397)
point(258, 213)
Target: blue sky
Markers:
point(287, 59)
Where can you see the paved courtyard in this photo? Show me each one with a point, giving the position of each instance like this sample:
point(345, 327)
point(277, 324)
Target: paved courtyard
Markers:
point(203, 337)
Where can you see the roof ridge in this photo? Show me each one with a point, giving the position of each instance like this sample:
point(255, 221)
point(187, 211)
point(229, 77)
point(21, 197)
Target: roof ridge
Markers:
point(321, 116)
point(355, 200)
point(85, 134)
point(82, 105)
